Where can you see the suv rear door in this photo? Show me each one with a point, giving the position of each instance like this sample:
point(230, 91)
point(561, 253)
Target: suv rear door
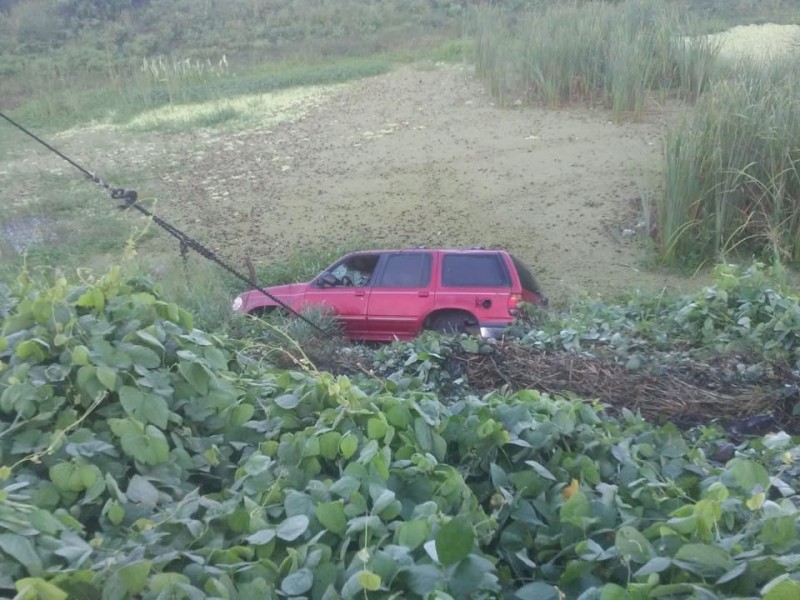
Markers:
point(478, 282)
point(401, 295)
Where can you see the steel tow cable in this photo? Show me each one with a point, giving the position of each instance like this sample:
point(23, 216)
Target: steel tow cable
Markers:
point(129, 199)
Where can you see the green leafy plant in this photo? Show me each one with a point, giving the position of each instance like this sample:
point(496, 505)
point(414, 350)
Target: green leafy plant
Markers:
point(746, 310)
point(142, 457)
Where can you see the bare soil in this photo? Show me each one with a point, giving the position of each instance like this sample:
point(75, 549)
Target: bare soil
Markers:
point(420, 156)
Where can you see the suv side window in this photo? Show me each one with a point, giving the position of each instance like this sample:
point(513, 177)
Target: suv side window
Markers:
point(412, 269)
point(355, 270)
point(474, 270)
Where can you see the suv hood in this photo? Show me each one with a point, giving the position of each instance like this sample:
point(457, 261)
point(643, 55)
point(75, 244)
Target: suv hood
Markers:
point(286, 293)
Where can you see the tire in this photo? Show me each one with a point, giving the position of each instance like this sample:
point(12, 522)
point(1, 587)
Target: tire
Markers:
point(453, 322)
point(262, 312)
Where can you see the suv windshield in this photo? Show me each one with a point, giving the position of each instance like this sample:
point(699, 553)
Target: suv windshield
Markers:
point(474, 270)
point(526, 278)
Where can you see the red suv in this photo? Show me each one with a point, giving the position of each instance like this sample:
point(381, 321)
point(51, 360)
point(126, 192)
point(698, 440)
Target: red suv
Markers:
point(387, 294)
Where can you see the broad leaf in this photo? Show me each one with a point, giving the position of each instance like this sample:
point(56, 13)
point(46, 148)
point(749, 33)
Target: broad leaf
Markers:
point(145, 444)
point(348, 445)
point(134, 576)
point(540, 470)
point(537, 591)
point(332, 517)
point(38, 589)
point(632, 546)
point(654, 565)
point(292, 528)
point(142, 492)
point(423, 579)
point(782, 588)
point(148, 408)
point(454, 540)
point(704, 559)
point(297, 583)
point(21, 549)
point(412, 533)
point(369, 581)
point(748, 474)
point(264, 536)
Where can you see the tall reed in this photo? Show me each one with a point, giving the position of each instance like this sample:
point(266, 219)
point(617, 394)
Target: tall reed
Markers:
point(613, 55)
point(732, 169)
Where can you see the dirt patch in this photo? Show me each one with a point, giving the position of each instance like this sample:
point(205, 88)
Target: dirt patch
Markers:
point(420, 156)
point(424, 157)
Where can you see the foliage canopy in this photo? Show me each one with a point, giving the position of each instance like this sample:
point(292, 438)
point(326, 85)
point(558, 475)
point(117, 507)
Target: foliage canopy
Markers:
point(145, 458)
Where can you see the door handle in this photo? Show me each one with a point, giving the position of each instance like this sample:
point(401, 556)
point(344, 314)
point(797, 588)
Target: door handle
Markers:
point(360, 293)
point(423, 294)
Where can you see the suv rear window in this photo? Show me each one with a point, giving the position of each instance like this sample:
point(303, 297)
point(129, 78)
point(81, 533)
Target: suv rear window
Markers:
point(526, 278)
point(474, 270)
point(411, 269)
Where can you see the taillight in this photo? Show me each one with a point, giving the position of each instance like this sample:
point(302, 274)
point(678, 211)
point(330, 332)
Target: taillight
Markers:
point(513, 302)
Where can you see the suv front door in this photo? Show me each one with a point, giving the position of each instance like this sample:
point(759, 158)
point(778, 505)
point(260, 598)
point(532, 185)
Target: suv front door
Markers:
point(401, 295)
point(344, 291)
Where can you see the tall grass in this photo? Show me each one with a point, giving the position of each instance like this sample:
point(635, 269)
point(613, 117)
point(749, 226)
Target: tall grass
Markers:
point(196, 284)
point(732, 169)
point(612, 55)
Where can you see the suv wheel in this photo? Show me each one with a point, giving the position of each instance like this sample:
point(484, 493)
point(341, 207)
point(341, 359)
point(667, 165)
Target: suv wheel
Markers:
point(262, 312)
point(453, 322)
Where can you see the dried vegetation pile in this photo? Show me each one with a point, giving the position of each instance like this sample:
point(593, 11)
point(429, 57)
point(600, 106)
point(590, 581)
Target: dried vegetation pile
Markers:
point(687, 395)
